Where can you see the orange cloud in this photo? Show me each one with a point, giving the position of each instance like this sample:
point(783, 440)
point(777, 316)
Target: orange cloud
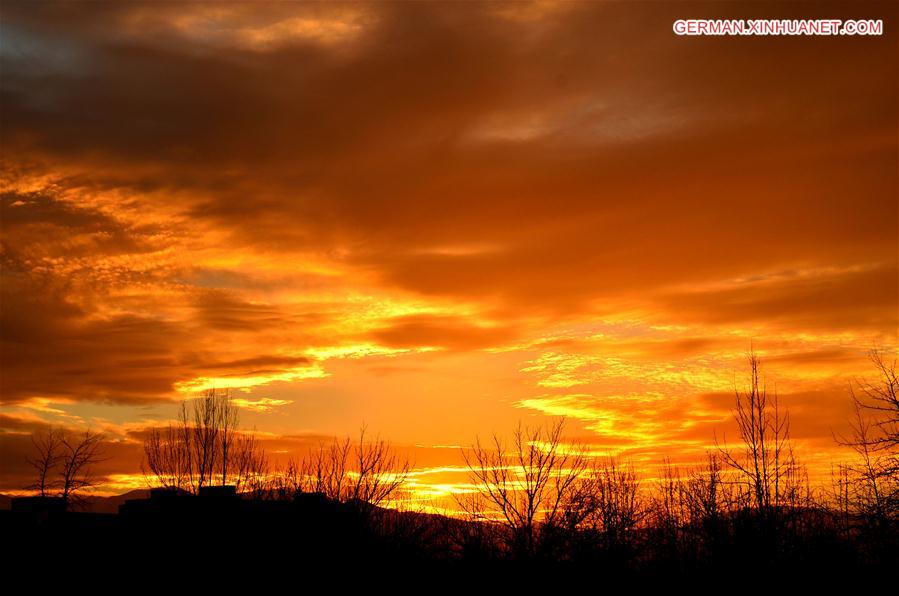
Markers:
point(441, 220)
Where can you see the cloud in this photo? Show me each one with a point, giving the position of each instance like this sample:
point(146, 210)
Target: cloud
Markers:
point(439, 331)
point(501, 200)
point(852, 298)
point(165, 107)
point(263, 404)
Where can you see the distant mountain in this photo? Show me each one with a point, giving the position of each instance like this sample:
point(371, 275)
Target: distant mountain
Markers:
point(5, 502)
point(111, 504)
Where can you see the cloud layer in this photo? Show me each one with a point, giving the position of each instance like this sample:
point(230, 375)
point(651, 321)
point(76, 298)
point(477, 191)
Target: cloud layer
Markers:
point(362, 211)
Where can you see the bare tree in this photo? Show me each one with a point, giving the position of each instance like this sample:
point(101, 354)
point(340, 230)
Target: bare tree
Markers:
point(881, 399)
point(79, 454)
point(63, 463)
point(472, 535)
point(248, 466)
point(168, 455)
point(286, 483)
point(669, 505)
point(869, 487)
point(765, 462)
point(367, 472)
point(47, 445)
point(379, 472)
point(326, 470)
point(528, 484)
point(227, 420)
point(204, 427)
point(614, 507)
point(203, 446)
point(705, 493)
point(843, 498)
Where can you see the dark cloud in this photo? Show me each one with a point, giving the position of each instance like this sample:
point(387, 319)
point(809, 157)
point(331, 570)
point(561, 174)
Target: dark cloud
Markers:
point(598, 153)
point(219, 310)
point(40, 226)
point(437, 331)
point(852, 299)
point(54, 347)
point(51, 347)
point(181, 179)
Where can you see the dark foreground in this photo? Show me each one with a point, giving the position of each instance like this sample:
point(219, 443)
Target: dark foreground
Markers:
point(221, 532)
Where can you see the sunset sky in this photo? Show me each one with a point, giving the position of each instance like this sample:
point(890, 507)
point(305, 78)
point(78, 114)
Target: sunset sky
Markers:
point(440, 220)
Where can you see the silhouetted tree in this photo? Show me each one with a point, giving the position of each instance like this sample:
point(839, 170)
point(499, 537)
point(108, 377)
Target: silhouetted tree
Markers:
point(473, 536)
point(706, 495)
point(765, 462)
point(64, 463)
point(79, 454)
point(868, 489)
point(204, 445)
point(367, 471)
point(614, 507)
point(668, 511)
point(168, 457)
point(248, 467)
point(527, 485)
point(47, 446)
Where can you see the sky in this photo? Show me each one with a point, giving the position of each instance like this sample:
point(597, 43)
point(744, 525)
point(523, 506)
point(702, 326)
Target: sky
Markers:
point(440, 220)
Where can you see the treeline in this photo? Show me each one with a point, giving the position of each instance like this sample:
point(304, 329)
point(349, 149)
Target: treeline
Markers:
point(540, 498)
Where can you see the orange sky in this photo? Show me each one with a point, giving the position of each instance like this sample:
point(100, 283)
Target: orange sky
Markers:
point(440, 219)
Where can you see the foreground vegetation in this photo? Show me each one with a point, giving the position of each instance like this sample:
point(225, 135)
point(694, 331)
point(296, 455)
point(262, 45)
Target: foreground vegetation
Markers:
point(542, 499)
